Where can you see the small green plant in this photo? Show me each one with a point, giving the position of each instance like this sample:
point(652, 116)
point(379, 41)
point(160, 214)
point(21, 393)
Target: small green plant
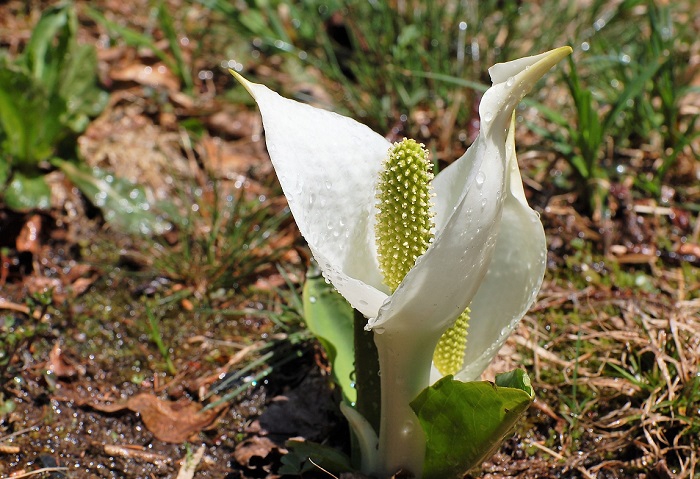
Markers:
point(224, 240)
point(582, 143)
point(157, 338)
point(625, 87)
point(264, 358)
point(669, 43)
point(47, 96)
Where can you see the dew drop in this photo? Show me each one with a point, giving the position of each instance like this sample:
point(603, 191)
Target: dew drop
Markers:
point(510, 81)
point(488, 116)
point(312, 299)
point(480, 178)
point(483, 203)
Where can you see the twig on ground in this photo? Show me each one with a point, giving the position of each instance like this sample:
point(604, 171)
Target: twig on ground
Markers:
point(190, 463)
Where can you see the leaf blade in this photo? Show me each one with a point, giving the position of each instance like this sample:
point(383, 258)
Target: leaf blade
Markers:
point(482, 411)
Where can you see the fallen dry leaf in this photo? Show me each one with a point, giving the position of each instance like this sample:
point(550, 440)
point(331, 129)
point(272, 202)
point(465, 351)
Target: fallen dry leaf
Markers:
point(225, 159)
point(157, 75)
point(61, 366)
point(689, 249)
point(28, 239)
point(259, 455)
point(168, 421)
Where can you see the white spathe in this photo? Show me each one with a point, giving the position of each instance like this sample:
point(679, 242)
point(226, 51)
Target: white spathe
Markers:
point(328, 165)
point(489, 250)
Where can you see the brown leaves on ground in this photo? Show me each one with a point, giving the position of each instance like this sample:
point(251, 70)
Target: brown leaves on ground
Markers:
point(169, 421)
point(260, 456)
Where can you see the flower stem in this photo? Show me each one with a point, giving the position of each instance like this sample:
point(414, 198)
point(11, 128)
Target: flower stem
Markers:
point(366, 372)
point(404, 359)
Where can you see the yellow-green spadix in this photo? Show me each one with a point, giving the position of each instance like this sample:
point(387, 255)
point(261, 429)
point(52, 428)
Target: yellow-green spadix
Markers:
point(488, 250)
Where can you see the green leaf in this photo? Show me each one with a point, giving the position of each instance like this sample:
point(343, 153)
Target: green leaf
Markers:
point(48, 93)
point(78, 88)
point(123, 203)
point(30, 118)
point(43, 53)
point(305, 456)
point(330, 318)
point(26, 193)
point(480, 413)
point(516, 379)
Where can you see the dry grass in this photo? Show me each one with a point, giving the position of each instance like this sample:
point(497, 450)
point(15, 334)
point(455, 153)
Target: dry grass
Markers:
point(618, 383)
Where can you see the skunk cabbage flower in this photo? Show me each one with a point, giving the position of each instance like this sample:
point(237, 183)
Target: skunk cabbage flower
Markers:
point(486, 250)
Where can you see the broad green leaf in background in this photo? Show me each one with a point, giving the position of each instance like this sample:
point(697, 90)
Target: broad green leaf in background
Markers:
point(330, 318)
point(78, 88)
point(63, 68)
point(480, 414)
point(50, 43)
point(47, 95)
point(123, 203)
point(27, 193)
point(30, 121)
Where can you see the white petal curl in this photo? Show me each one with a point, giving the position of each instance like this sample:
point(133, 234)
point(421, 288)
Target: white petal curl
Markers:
point(468, 205)
point(513, 279)
point(327, 165)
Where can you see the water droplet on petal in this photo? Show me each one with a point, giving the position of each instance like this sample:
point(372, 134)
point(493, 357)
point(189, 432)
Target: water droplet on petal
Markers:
point(312, 299)
point(408, 428)
point(488, 116)
point(480, 178)
point(510, 81)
